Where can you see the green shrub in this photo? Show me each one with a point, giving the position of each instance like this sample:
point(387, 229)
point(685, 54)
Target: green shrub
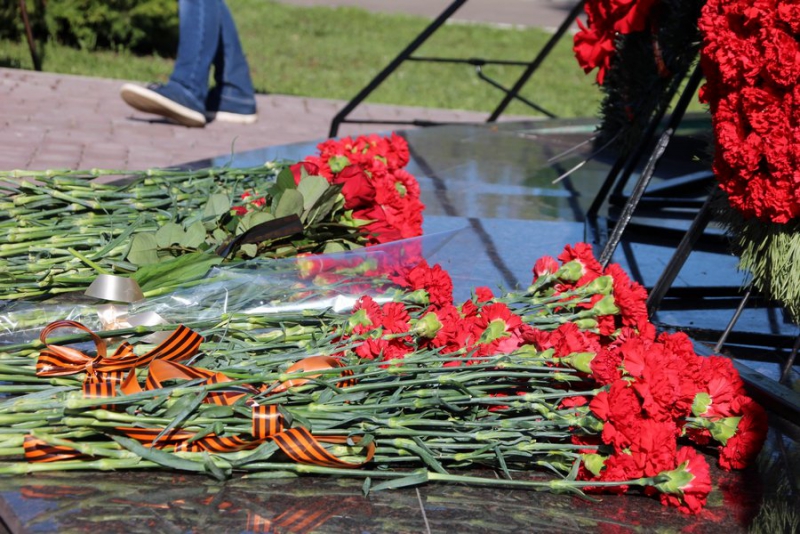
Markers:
point(140, 26)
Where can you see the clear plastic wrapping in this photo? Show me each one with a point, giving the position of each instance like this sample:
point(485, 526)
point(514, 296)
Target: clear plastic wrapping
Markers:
point(310, 284)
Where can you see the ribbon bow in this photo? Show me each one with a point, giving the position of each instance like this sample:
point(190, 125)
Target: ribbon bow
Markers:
point(103, 373)
point(56, 360)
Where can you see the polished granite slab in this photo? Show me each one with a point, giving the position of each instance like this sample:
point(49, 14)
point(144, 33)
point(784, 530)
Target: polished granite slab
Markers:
point(490, 194)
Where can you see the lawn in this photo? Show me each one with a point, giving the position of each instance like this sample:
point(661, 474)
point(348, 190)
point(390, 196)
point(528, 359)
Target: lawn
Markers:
point(334, 52)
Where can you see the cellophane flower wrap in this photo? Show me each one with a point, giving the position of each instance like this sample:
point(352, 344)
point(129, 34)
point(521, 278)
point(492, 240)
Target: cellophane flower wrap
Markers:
point(167, 227)
point(567, 375)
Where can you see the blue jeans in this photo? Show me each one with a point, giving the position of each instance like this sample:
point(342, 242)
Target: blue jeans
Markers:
point(208, 36)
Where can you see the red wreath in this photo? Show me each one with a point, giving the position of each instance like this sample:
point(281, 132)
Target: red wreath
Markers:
point(751, 60)
point(595, 43)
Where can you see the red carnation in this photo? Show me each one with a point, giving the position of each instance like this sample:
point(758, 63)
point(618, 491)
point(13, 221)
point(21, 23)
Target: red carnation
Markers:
point(689, 497)
point(741, 449)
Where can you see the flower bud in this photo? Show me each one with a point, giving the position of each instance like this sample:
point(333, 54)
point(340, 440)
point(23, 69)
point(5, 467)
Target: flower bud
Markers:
point(586, 324)
point(701, 403)
point(606, 306)
point(724, 429)
point(594, 463)
point(420, 296)
point(580, 361)
point(428, 326)
point(570, 271)
point(602, 285)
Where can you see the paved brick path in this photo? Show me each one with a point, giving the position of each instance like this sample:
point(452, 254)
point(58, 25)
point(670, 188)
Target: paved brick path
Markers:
point(57, 121)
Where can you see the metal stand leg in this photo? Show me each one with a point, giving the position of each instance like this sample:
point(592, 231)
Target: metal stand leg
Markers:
point(540, 57)
point(738, 313)
point(647, 174)
point(391, 67)
point(636, 195)
point(37, 61)
point(680, 255)
point(787, 369)
point(629, 163)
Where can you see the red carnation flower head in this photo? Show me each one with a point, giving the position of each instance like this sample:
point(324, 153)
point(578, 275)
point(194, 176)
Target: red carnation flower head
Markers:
point(394, 317)
point(689, 484)
point(621, 413)
point(584, 255)
point(595, 43)
point(366, 315)
point(630, 297)
point(397, 155)
point(654, 446)
point(742, 448)
point(483, 294)
point(434, 283)
point(544, 265)
point(497, 330)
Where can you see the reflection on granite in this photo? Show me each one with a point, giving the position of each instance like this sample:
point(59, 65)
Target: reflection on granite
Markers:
point(492, 187)
point(148, 502)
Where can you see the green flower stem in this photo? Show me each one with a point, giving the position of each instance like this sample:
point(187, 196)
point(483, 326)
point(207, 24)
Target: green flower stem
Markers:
point(106, 464)
point(550, 485)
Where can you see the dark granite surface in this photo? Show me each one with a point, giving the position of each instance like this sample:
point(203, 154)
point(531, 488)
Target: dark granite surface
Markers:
point(490, 197)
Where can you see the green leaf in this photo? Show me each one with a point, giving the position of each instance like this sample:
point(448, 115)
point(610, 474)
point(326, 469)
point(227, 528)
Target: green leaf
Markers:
point(394, 483)
point(219, 235)
point(285, 180)
point(213, 469)
point(170, 234)
point(184, 268)
point(165, 459)
point(249, 250)
point(333, 247)
point(291, 203)
point(312, 188)
point(251, 219)
point(330, 201)
point(218, 204)
point(180, 411)
point(144, 249)
point(195, 235)
point(262, 452)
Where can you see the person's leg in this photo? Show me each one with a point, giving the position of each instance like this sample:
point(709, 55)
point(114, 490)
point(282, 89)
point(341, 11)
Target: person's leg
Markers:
point(233, 97)
point(200, 24)
point(182, 99)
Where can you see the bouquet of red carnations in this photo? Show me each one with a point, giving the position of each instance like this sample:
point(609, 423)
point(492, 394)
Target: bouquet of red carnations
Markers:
point(167, 227)
point(567, 377)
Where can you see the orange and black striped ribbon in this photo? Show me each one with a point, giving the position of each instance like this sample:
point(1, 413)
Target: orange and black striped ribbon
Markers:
point(103, 373)
point(37, 450)
point(56, 360)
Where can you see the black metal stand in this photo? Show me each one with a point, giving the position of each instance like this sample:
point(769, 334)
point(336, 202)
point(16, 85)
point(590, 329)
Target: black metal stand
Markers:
point(406, 55)
point(37, 60)
point(681, 254)
point(649, 170)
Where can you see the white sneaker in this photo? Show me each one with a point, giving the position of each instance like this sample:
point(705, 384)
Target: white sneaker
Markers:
point(153, 99)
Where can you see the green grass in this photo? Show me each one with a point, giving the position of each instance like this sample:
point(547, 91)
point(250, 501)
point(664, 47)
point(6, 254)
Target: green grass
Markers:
point(334, 52)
